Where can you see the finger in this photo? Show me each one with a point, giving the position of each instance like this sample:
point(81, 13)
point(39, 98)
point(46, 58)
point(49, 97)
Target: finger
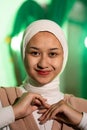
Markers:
point(41, 111)
point(34, 108)
point(45, 116)
point(40, 98)
point(36, 102)
point(40, 102)
point(55, 113)
point(49, 114)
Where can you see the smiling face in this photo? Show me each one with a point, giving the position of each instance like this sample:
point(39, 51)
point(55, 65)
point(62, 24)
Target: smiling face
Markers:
point(43, 58)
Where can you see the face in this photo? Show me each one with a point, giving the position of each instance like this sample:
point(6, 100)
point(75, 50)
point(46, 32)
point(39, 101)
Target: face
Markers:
point(43, 58)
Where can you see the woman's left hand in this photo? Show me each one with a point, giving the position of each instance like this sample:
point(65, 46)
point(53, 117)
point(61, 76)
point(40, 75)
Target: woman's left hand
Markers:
point(61, 112)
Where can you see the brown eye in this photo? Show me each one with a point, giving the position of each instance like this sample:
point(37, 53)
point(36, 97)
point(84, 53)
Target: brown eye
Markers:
point(35, 53)
point(53, 54)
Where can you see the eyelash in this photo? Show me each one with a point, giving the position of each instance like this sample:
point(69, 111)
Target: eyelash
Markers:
point(35, 53)
point(52, 54)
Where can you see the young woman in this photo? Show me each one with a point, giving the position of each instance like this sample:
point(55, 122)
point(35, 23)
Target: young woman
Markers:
point(42, 106)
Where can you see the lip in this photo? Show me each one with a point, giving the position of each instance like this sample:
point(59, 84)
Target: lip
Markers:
point(43, 72)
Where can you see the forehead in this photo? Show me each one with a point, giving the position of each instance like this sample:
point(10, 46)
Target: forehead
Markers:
point(44, 33)
point(44, 37)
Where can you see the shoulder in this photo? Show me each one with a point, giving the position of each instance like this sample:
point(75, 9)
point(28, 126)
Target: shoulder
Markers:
point(77, 102)
point(9, 94)
point(10, 90)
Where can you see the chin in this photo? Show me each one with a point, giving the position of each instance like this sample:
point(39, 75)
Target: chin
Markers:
point(40, 82)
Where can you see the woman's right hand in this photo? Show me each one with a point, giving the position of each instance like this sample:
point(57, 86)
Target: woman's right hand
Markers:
point(28, 103)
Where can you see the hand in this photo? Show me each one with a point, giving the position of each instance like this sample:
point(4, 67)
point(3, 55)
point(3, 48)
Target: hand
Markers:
point(28, 103)
point(61, 112)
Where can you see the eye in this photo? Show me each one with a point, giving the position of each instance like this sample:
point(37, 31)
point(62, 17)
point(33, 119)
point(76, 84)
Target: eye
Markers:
point(53, 54)
point(35, 53)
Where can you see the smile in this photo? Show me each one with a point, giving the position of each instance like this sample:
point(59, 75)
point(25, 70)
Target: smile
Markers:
point(43, 72)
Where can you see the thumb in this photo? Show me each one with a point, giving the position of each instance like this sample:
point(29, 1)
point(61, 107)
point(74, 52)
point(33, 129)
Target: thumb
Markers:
point(34, 108)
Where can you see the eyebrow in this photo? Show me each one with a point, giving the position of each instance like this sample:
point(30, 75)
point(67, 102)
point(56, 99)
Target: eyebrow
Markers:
point(34, 48)
point(49, 49)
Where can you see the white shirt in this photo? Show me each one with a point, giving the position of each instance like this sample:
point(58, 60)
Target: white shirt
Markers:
point(6, 117)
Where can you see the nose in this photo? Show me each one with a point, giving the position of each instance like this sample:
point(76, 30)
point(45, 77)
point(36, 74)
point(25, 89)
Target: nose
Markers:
point(43, 62)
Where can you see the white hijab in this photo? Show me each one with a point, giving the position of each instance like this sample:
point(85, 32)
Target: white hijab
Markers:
point(54, 28)
point(45, 25)
point(51, 91)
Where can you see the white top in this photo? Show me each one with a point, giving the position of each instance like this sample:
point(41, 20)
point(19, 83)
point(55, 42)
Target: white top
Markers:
point(83, 123)
point(7, 117)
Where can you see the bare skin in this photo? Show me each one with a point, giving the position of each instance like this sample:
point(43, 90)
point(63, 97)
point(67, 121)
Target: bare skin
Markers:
point(28, 103)
point(61, 112)
point(43, 62)
point(43, 58)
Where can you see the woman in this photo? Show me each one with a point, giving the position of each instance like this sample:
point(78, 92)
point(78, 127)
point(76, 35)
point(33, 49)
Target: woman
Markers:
point(42, 106)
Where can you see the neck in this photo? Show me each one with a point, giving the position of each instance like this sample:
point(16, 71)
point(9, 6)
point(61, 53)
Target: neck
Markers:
point(51, 91)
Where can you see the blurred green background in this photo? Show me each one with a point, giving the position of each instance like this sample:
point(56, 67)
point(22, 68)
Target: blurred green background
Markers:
point(71, 15)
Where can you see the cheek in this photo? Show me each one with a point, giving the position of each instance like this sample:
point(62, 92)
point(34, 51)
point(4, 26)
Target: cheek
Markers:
point(58, 64)
point(29, 63)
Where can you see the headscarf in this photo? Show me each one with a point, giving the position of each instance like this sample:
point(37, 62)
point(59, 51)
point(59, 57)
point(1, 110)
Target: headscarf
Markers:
point(45, 25)
point(50, 91)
